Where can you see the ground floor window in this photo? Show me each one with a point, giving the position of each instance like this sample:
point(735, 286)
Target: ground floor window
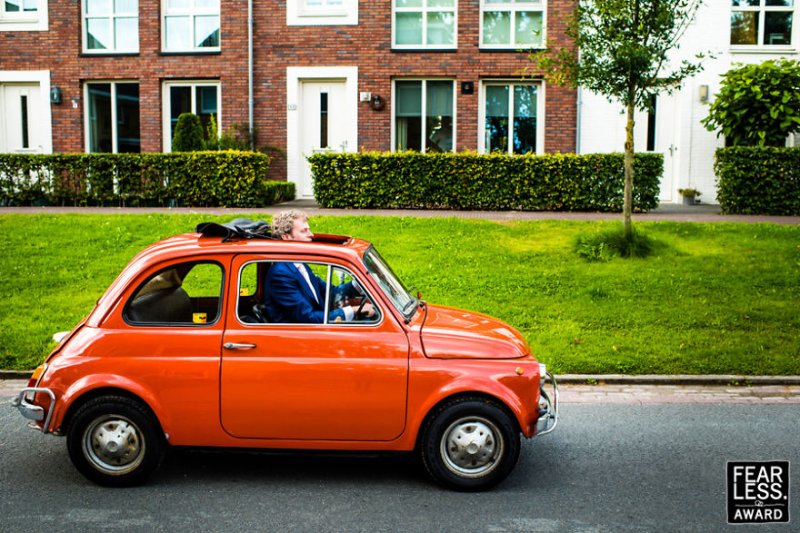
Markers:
point(201, 98)
point(424, 115)
point(511, 118)
point(113, 117)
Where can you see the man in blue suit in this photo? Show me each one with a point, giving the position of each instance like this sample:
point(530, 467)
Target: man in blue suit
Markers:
point(292, 292)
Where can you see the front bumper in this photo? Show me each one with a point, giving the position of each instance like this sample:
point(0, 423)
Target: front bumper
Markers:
point(24, 403)
point(548, 404)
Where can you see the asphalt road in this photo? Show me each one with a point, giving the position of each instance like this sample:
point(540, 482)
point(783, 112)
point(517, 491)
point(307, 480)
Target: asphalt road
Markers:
point(616, 468)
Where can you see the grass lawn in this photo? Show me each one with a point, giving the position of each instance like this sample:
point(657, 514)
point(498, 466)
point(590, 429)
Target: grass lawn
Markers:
point(713, 299)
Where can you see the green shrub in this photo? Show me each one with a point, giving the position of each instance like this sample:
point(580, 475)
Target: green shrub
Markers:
point(605, 245)
point(188, 135)
point(559, 182)
point(753, 180)
point(758, 104)
point(227, 178)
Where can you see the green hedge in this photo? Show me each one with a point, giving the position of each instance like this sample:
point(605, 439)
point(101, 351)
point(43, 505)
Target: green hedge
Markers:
point(558, 182)
point(194, 179)
point(758, 180)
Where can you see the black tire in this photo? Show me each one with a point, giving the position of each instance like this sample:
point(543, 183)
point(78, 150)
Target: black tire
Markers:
point(115, 441)
point(470, 444)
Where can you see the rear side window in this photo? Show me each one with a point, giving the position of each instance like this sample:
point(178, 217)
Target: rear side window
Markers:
point(180, 295)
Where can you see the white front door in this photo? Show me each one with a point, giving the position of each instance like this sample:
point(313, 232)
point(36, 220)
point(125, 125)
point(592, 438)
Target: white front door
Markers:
point(21, 118)
point(325, 117)
point(666, 142)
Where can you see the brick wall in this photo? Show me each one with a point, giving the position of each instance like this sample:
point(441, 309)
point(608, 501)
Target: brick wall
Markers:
point(277, 46)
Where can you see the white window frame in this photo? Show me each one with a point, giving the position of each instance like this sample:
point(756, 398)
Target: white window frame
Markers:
point(424, 133)
point(111, 19)
point(513, 8)
point(191, 13)
point(425, 9)
point(762, 9)
point(166, 132)
point(24, 20)
point(540, 112)
point(327, 13)
point(86, 112)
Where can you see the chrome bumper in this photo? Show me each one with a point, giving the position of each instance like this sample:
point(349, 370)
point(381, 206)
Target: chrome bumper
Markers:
point(548, 404)
point(29, 410)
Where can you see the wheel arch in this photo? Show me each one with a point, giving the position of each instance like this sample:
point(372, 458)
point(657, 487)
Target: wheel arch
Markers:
point(91, 394)
point(462, 396)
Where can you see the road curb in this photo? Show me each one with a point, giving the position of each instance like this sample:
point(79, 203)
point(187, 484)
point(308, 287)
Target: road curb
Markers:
point(605, 379)
point(679, 379)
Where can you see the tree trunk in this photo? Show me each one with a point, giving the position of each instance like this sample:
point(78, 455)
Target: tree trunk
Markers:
point(627, 204)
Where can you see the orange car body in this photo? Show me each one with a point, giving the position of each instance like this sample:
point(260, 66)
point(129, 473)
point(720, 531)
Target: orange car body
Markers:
point(298, 386)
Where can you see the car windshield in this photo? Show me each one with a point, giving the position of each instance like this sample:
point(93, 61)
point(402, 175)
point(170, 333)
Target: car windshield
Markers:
point(389, 283)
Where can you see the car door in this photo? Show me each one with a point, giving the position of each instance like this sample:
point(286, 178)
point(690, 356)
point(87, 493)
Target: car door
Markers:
point(291, 381)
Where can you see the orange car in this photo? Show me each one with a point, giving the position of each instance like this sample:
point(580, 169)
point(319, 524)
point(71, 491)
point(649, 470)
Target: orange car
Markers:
point(179, 351)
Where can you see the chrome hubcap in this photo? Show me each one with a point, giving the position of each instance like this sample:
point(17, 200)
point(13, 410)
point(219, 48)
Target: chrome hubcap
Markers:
point(113, 444)
point(471, 446)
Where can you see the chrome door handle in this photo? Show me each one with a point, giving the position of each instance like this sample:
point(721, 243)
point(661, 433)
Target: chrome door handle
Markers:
point(238, 346)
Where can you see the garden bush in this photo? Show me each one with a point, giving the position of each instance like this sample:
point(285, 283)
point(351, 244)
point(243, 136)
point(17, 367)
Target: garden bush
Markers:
point(758, 180)
point(555, 182)
point(195, 179)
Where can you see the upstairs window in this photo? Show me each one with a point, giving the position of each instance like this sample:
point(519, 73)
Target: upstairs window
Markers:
point(111, 26)
point(321, 12)
point(762, 23)
point(512, 24)
point(424, 24)
point(191, 26)
point(23, 15)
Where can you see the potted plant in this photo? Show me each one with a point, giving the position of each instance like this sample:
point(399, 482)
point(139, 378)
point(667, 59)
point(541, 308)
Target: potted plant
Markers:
point(690, 196)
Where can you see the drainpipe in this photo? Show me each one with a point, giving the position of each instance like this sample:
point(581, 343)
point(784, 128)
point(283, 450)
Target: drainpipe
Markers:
point(250, 99)
point(578, 121)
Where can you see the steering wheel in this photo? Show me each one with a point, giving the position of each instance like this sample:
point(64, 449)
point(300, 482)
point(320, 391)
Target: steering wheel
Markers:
point(361, 307)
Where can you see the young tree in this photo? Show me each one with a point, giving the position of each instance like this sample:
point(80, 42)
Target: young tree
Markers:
point(757, 105)
point(622, 53)
point(188, 134)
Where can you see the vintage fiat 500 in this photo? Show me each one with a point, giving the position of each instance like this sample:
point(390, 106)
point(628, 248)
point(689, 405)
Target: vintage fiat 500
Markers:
point(179, 351)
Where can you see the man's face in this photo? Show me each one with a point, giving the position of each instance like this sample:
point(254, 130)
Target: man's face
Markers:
point(300, 231)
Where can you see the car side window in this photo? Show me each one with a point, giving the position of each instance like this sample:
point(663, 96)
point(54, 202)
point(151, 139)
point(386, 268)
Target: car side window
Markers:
point(279, 292)
point(182, 294)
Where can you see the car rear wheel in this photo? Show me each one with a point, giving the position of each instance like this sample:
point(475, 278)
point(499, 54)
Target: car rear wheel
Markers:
point(470, 444)
point(115, 441)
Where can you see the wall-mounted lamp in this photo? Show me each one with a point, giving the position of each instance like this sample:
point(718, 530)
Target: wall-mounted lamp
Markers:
point(704, 93)
point(55, 95)
point(376, 102)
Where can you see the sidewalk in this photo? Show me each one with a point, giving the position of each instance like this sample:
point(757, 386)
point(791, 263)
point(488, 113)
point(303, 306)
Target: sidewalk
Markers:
point(671, 212)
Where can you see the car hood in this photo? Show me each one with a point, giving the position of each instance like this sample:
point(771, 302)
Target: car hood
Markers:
point(450, 333)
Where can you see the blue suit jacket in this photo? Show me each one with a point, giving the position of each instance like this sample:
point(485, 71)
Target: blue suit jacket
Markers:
point(288, 298)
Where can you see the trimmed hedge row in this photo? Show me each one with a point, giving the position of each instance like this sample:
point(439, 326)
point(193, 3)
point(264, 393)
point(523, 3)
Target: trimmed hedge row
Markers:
point(557, 182)
point(755, 180)
point(193, 179)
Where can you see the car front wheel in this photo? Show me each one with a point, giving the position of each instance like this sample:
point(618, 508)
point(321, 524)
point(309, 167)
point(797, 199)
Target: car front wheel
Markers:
point(470, 444)
point(115, 441)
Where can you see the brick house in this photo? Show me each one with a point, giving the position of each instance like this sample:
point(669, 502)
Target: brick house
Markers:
point(429, 75)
